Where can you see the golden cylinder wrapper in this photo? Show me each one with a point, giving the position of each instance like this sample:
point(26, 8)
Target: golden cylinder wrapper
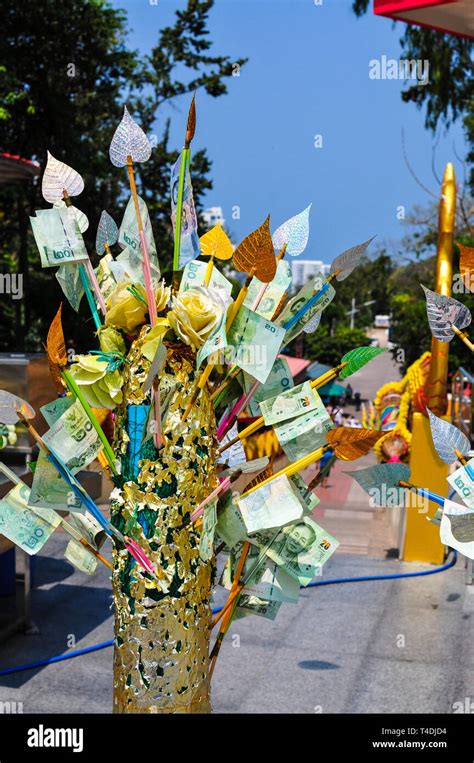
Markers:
point(161, 653)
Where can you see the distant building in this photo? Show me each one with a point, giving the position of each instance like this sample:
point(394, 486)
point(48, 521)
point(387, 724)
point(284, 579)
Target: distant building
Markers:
point(212, 216)
point(303, 270)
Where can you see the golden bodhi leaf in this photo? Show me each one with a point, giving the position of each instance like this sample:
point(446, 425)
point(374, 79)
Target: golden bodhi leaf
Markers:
point(216, 243)
point(256, 253)
point(56, 350)
point(191, 124)
point(350, 444)
point(466, 265)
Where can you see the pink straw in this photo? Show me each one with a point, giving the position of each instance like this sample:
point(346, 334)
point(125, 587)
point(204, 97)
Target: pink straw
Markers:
point(228, 420)
point(95, 285)
point(219, 489)
point(148, 282)
point(134, 549)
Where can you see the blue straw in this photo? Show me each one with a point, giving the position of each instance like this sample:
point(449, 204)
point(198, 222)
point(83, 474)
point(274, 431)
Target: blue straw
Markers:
point(90, 296)
point(307, 306)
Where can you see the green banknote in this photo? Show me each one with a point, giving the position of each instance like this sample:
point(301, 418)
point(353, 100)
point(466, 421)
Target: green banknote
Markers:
point(25, 527)
point(217, 341)
point(105, 277)
point(272, 505)
point(236, 453)
point(291, 403)
point(254, 343)
point(89, 529)
point(272, 583)
point(309, 499)
point(254, 605)
point(462, 484)
point(279, 380)
point(302, 548)
point(194, 274)
point(58, 237)
point(54, 410)
point(80, 557)
point(297, 302)
point(50, 491)
point(209, 522)
point(273, 293)
point(230, 525)
point(70, 282)
point(131, 258)
point(303, 434)
point(73, 438)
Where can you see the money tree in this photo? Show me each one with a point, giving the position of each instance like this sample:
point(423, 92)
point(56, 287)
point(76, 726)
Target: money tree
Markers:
point(157, 401)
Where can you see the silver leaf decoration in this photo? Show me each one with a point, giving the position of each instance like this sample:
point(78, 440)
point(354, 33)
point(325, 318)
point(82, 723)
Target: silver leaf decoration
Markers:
point(129, 140)
point(348, 260)
point(294, 233)
point(59, 177)
point(312, 324)
point(107, 232)
point(443, 313)
point(381, 483)
point(447, 438)
point(10, 405)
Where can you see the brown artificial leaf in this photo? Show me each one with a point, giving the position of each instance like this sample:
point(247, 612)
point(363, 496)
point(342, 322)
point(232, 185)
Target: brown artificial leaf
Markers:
point(350, 444)
point(191, 124)
point(466, 265)
point(216, 243)
point(256, 253)
point(56, 351)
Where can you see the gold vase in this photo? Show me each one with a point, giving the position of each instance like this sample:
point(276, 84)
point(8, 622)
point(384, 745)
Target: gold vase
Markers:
point(162, 626)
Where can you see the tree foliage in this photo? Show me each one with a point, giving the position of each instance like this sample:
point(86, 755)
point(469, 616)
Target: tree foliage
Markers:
point(66, 71)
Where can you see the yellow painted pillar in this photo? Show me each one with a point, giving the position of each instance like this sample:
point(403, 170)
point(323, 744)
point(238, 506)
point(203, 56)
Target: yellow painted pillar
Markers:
point(421, 541)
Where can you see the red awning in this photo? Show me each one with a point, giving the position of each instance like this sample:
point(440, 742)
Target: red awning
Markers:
point(452, 16)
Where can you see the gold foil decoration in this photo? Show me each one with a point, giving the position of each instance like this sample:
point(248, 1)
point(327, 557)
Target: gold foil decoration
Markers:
point(162, 627)
point(256, 253)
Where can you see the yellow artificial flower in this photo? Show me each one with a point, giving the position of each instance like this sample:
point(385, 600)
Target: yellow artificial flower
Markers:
point(154, 338)
point(101, 389)
point(111, 340)
point(195, 314)
point(124, 310)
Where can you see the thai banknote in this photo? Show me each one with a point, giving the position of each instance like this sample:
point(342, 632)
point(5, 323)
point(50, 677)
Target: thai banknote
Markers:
point(50, 491)
point(291, 403)
point(309, 499)
point(73, 438)
point(70, 282)
point(189, 247)
point(272, 583)
point(129, 239)
point(230, 525)
point(463, 484)
point(279, 380)
point(296, 303)
point(273, 293)
point(194, 275)
point(302, 548)
point(206, 541)
point(254, 605)
point(105, 277)
point(236, 453)
point(80, 557)
point(272, 505)
point(302, 435)
point(89, 529)
point(254, 343)
point(214, 343)
point(54, 410)
point(457, 528)
point(25, 527)
point(58, 237)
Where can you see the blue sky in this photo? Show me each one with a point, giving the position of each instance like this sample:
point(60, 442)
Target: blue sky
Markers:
point(307, 75)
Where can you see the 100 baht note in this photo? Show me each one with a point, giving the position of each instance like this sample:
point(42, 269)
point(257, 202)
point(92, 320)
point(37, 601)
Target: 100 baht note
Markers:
point(194, 275)
point(25, 527)
point(50, 491)
point(58, 237)
point(73, 438)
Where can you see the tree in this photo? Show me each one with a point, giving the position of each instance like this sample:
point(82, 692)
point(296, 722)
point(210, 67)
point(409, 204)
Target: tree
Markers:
point(449, 93)
point(328, 348)
point(66, 73)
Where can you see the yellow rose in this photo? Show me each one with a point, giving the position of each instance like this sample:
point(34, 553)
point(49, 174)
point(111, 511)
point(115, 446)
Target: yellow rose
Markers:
point(124, 310)
point(162, 296)
point(101, 389)
point(111, 340)
point(195, 314)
